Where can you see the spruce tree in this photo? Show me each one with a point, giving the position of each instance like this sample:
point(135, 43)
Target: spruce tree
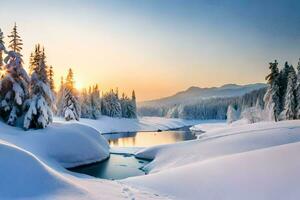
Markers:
point(133, 103)
point(272, 96)
point(111, 105)
point(289, 111)
point(15, 43)
point(35, 58)
point(39, 106)
point(283, 81)
point(297, 91)
point(51, 78)
point(231, 114)
point(1, 51)
point(95, 103)
point(71, 107)
point(13, 88)
point(60, 97)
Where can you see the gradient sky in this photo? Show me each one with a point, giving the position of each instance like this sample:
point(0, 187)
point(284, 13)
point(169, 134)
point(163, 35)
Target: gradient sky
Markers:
point(158, 47)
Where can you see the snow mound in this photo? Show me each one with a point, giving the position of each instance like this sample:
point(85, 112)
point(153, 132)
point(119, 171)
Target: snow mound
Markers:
point(249, 161)
point(220, 142)
point(70, 144)
point(270, 173)
point(25, 176)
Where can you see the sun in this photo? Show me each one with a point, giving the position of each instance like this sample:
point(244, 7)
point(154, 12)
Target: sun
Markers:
point(78, 85)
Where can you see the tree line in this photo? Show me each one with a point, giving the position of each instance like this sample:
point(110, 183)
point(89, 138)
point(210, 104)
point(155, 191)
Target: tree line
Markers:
point(29, 100)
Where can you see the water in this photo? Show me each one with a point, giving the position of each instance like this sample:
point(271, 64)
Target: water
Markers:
point(147, 139)
point(116, 167)
point(122, 166)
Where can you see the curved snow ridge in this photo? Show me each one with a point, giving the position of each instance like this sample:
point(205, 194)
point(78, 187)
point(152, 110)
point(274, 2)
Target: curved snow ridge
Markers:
point(23, 175)
point(70, 144)
point(220, 143)
point(31, 165)
point(270, 173)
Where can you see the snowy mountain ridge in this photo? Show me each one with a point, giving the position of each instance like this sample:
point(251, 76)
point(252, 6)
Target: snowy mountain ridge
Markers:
point(197, 93)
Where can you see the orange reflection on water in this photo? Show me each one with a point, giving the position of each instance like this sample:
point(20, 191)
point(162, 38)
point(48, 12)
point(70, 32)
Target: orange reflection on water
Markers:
point(146, 139)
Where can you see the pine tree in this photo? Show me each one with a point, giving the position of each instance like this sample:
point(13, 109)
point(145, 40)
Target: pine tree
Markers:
point(111, 105)
point(13, 88)
point(272, 96)
point(15, 44)
point(71, 107)
point(51, 79)
point(39, 106)
point(35, 58)
point(85, 104)
point(231, 114)
point(1, 51)
point(60, 97)
point(133, 103)
point(95, 103)
point(289, 111)
point(283, 81)
point(297, 91)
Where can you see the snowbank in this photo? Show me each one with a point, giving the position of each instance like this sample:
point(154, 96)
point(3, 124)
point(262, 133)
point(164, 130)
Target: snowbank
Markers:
point(253, 161)
point(112, 125)
point(25, 176)
point(70, 144)
point(220, 142)
point(270, 173)
point(32, 164)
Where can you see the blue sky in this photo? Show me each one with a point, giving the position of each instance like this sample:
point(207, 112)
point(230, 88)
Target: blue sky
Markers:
point(159, 47)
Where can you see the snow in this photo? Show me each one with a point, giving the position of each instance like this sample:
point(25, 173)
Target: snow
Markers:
point(112, 125)
point(28, 177)
point(70, 144)
point(236, 161)
point(32, 164)
point(245, 161)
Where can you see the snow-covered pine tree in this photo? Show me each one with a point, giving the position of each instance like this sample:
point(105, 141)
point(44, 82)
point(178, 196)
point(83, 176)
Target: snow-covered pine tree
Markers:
point(297, 91)
point(125, 106)
point(2, 44)
point(51, 78)
point(283, 81)
point(15, 43)
point(39, 106)
point(35, 58)
point(289, 111)
point(133, 106)
point(111, 105)
point(13, 88)
point(231, 114)
point(95, 103)
point(85, 104)
point(59, 99)
point(272, 96)
point(71, 107)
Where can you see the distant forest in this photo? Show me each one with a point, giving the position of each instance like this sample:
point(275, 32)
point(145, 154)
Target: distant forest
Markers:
point(212, 108)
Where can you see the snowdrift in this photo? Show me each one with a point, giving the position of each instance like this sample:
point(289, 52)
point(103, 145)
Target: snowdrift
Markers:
point(70, 144)
point(254, 161)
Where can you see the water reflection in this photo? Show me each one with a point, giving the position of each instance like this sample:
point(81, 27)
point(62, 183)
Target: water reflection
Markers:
point(116, 167)
point(146, 139)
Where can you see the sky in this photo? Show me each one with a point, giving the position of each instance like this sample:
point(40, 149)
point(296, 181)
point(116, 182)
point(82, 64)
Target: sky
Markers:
point(158, 47)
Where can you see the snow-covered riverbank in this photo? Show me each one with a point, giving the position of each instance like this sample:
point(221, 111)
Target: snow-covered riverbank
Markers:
point(253, 161)
point(111, 125)
point(250, 161)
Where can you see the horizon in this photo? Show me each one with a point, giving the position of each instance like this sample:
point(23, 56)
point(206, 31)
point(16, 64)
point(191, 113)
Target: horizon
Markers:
point(158, 49)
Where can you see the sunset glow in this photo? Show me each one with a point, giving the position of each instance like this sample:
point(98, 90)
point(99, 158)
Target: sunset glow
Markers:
point(114, 45)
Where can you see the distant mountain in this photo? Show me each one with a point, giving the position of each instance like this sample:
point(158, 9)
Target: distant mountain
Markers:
point(193, 94)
